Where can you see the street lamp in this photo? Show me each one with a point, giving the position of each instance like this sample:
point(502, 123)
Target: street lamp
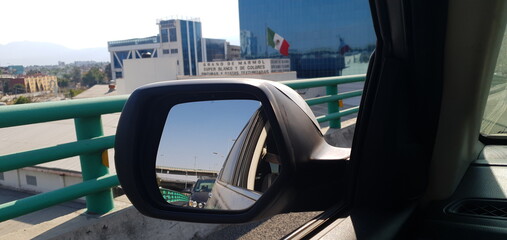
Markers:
point(217, 160)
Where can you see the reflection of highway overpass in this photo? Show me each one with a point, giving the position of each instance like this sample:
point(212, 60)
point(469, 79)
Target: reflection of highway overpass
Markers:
point(181, 178)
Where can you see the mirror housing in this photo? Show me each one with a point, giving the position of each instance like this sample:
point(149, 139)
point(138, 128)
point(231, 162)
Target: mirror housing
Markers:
point(313, 175)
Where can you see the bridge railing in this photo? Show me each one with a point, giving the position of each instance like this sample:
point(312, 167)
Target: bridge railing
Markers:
point(332, 97)
point(91, 144)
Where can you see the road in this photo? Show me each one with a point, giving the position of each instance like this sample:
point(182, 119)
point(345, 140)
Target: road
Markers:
point(34, 218)
point(495, 114)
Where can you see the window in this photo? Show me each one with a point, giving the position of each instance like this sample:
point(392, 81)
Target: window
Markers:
point(204, 185)
point(494, 120)
point(172, 35)
point(174, 50)
point(165, 35)
point(120, 56)
point(241, 155)
point(31, 180)
point(165, 51)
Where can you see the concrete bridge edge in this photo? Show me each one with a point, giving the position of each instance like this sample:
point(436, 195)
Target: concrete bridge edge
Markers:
point(125, 222)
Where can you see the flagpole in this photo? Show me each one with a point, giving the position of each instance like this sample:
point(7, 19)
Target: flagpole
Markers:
point(266, 42)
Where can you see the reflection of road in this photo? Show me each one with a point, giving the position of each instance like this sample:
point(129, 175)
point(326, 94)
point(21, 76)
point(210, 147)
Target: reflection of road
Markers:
point(495, 114)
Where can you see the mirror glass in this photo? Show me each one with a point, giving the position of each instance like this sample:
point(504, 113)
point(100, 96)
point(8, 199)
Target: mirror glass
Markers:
point(216, 155)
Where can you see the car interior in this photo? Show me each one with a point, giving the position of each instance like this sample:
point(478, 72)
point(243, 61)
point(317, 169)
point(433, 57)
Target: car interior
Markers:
point(268, 167)
point(421, 166)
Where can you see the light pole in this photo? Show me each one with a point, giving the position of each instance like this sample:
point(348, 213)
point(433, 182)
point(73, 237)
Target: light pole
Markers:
point(195, 165)
point(217, 160)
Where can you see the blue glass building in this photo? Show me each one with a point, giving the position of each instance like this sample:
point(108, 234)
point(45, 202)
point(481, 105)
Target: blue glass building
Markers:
point(214, 49)
point(321, 33)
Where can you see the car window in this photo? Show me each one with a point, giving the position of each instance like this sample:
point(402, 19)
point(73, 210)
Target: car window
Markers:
point(242, 150)
point(204, 186)
point(494, 122)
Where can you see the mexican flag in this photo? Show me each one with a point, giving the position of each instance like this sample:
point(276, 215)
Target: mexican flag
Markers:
point(278, 42)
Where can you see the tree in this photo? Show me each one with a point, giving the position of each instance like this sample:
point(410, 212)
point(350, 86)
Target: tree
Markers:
point(63, 82)
point(75, 75)
point(32, 72)
point(5, 87)
point(93, 77)
point(22, 100)
point(18, 88)
point(107, 71)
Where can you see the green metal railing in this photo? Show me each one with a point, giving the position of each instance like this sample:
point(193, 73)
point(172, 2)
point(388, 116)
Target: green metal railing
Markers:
point(97, 182)
point(332, 97)
point(173, 196)
point(91, 144)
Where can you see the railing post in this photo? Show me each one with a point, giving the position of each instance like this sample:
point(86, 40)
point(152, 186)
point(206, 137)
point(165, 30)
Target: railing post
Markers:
point(92, 165)
point(333, 107)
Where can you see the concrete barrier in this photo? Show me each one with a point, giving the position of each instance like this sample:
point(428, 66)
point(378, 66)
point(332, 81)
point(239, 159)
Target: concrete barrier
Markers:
point(125, 222)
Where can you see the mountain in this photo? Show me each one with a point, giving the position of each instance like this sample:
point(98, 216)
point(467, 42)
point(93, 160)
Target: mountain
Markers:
point(38, 53)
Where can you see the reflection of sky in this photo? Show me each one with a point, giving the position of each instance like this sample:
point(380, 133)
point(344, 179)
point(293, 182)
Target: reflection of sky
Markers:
point(200, 134)
point(308, 25)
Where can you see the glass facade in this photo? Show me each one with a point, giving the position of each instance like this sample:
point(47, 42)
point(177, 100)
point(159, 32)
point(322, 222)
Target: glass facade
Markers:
point(191, 45)
point(165, 34)
point(143, 51)
point(215, 50)
point(135, 41)
point(192, 48)
point(121, 56)
point(325, 37)
point(172, 35)
point(198, 36)
point(184, 46)
point(118, 74)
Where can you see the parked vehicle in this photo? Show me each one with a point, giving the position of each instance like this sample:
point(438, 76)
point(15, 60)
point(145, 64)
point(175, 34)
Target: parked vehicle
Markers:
point(201, 193)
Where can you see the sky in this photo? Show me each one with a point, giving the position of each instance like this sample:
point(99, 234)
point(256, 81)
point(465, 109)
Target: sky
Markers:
point(92, 23)
point(200, 134)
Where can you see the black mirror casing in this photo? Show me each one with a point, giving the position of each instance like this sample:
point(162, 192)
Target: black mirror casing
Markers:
point(310, 166)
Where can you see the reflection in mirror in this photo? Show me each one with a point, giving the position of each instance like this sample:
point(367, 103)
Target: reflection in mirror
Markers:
point(216, 155)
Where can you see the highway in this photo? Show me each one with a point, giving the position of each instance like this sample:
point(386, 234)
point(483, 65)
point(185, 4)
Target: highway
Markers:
point(495, 114)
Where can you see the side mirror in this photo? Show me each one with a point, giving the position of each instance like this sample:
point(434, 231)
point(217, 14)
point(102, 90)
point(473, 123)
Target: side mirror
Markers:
point(249, 149)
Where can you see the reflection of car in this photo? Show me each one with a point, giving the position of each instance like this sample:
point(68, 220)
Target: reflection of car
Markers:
point(201, 193)
point(246, 173)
